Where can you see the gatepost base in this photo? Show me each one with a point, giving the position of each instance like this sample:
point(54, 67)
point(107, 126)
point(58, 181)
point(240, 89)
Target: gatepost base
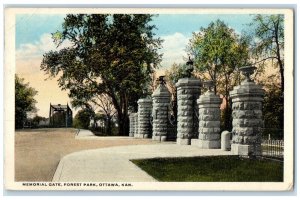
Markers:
point(181, 141)
point(206, 144)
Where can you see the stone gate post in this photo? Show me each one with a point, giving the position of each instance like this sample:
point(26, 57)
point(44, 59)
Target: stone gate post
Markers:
point(144, 114)
point(188, 91)
point(136, 130)
point(131, 124)
point(161, 100)
point(209, 120)
point(247, 120)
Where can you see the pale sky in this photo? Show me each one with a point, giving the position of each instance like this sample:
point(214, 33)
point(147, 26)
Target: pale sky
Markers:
point(33, 39)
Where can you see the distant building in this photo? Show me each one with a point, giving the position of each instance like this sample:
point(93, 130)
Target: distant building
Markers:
point(60, 116)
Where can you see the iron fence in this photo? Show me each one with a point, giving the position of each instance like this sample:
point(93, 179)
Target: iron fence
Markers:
point(273, 148)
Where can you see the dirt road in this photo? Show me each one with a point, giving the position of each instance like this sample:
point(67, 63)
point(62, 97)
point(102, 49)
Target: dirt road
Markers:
point(38, 152)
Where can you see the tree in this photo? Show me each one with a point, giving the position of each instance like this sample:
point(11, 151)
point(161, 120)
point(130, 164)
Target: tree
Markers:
point(110, 54)
point(268, 49)
point(176, 72)
point(37, 119)
point(218, 53)
point(82, 119)
point(24, 101)
point(98, 104)
point(269, 42)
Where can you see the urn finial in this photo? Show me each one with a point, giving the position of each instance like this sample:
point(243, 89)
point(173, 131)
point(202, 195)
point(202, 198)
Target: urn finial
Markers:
point(247, 71)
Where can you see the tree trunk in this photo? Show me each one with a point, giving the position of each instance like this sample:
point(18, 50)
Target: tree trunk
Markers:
point(123, 118)
point(123, 125)
point(227, 114)
point(108, 127)
point(280, 63)
point(228, 110)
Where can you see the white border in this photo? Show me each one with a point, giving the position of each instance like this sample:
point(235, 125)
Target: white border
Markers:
point(8, 81)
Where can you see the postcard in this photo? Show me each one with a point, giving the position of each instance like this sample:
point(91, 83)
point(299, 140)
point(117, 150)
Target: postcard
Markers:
point(149, 99)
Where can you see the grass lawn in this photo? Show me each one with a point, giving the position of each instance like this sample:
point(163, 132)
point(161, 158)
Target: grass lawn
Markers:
point(212, 169)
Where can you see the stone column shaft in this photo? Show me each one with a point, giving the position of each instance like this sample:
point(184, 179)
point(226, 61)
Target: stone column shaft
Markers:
point(188, 91)
point(131, 124)
point(161, 100)
point(136, 125)
point(247, 120)
point(144, 114)
point(209, 121)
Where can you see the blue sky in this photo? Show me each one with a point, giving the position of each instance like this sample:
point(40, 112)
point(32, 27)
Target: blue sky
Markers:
point(29, 28)
point(188, 23)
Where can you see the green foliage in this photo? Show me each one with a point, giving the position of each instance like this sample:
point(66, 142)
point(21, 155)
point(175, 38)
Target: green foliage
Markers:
point(218, 53)
point(176, 72)
point(268, 45)
point(110, 54)
point(24, 101)
point(218, 50)
point(212, 169)
point(273, 107)
point(82, 119)
point(37, 119)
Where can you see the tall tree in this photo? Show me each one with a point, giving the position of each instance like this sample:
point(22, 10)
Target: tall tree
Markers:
point(218, 52)
point(110, 54)
point(24, 101)
point(269, 41)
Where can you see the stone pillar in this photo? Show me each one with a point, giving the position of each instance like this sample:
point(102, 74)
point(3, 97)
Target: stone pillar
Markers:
point(161, 100)
point(247, 120)
point(209, 121)
point(144, 114)
point(131, 125)
point(188, 91)
point(136, 130)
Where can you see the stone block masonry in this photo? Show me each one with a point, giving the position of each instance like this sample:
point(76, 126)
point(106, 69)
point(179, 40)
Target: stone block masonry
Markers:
point(131, 124)
point(188, 91)
point(209, 121)
point(136, 125)
point(144, 114)
point(161, 102)
point(247, 120)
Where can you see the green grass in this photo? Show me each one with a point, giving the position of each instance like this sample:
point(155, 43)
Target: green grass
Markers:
point(212, 169)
